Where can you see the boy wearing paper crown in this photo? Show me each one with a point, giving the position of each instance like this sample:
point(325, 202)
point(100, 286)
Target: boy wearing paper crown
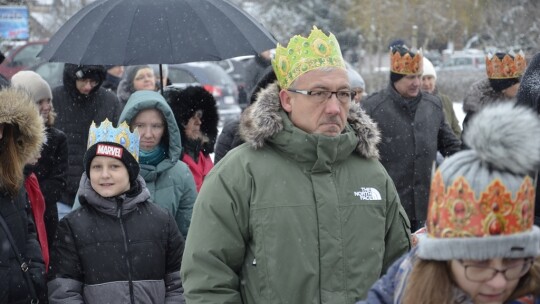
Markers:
point(481, 245)
point(118, 247)
point(302, 212)
point(413, 129)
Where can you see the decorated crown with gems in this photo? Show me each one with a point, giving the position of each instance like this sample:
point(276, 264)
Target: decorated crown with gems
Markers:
point(121, 135)
point(482, 199)
point(305, 54)
point(401, 61)
point(510, 66)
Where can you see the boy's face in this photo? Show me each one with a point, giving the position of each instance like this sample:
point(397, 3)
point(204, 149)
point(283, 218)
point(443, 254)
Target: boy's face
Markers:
point(108, 176)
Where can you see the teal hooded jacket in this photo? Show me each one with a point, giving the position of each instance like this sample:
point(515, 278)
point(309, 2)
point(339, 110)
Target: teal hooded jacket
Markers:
point(292, 217)
point(170, 182)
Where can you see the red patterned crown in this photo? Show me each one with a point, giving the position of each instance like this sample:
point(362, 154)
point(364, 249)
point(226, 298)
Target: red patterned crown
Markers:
point(402, 62)
point(457, 211)
point(481, 202)
point(509, 66)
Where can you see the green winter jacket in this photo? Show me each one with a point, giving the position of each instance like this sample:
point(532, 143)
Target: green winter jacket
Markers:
point(170, 183)
point(290, 217)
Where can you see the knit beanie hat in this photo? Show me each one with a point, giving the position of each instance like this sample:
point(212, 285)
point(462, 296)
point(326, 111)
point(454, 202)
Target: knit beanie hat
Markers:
point(481, 203)
point(33, 83)
point(118, 143)
point(131, 71)
point(429, 70)
point(355, 80)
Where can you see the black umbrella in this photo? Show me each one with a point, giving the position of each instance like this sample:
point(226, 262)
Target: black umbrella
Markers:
point(131, 32)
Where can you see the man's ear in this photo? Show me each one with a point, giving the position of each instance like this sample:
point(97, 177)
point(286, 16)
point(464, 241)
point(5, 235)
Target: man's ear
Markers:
point(285, 100)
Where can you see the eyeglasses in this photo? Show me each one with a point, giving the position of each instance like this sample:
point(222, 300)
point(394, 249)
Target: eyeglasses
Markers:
point(478, 273)
point(320, 96)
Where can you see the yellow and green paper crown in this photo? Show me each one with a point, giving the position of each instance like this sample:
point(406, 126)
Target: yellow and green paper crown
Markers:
point(305, 54)
point(121, 135)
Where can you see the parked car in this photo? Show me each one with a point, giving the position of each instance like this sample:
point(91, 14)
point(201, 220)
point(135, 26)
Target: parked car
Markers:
point(52, 72)
point(470, 59)
point(21, 57)
point(215, 80)
point(236, 68)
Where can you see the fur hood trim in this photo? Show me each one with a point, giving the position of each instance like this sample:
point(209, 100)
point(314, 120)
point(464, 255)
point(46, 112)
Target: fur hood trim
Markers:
point(481, 94)
point(262, 120)
point(18, 108)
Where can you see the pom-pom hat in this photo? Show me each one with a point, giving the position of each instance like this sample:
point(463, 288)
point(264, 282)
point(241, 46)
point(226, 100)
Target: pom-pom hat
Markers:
point(481, 203)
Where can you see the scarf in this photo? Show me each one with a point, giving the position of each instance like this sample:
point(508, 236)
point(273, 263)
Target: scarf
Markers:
point(153, 157)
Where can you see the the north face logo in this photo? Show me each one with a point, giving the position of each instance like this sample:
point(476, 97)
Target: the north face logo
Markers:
point(368, 194)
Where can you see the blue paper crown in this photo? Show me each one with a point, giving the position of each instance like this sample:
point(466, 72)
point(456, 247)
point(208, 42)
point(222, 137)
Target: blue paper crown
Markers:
point(121, 135)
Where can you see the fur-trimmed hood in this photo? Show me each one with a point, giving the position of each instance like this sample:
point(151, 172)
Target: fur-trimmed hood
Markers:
point(262, 120)
point(481, 94)
point(185, 102)
point(18, 108)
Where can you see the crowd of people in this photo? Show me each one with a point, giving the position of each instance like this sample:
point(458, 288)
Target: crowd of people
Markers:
point(319, 193)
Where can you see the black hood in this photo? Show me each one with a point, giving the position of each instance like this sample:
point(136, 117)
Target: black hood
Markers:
point(184, 103)
point(72, 72)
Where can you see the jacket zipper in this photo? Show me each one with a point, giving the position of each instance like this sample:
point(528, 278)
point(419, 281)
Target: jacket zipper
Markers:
point(128, 257)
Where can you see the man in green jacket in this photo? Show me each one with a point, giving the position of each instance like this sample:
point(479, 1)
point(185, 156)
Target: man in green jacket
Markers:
point(303, 212)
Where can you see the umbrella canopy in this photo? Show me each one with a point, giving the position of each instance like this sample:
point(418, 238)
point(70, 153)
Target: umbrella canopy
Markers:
point(131, 32)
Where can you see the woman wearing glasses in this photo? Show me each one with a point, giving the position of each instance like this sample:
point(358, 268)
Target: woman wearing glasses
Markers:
point(481, 245)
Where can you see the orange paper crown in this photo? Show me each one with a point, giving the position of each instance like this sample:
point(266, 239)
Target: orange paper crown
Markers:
point(405, 64)
point(507, 67)
point(456, 212)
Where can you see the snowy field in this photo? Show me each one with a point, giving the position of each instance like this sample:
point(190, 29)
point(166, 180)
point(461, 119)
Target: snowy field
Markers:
point(458, 109)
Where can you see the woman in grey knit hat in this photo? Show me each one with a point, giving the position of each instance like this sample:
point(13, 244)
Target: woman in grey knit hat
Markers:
point(480, 244)
point(136, 78)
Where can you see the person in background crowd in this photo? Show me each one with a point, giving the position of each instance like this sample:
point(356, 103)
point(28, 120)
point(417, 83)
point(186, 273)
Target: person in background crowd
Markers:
point(113, 78)
point(255, 69)
point(169, 180)
point(37, 204)
point(357, 84)
point(21, 135)
point(529, 88)
point(136, 78)
point(413, 129)
point(229, 138)
point(80, 101)
point(481, 245)
point(529, 95)
point(303, 211)
point(118, 247)
point(504, 71)
point(196, 115)
point(52, 163)
point(429, 85)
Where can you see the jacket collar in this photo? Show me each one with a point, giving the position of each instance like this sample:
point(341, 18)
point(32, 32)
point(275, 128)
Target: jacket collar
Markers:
point(108, 205)
point(265, 121)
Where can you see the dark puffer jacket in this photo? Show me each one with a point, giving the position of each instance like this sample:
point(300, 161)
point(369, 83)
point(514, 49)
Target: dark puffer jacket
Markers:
point(50, 171)
point(529, 96)
point(116, 250)
point(75, 114)
point(17, 215)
